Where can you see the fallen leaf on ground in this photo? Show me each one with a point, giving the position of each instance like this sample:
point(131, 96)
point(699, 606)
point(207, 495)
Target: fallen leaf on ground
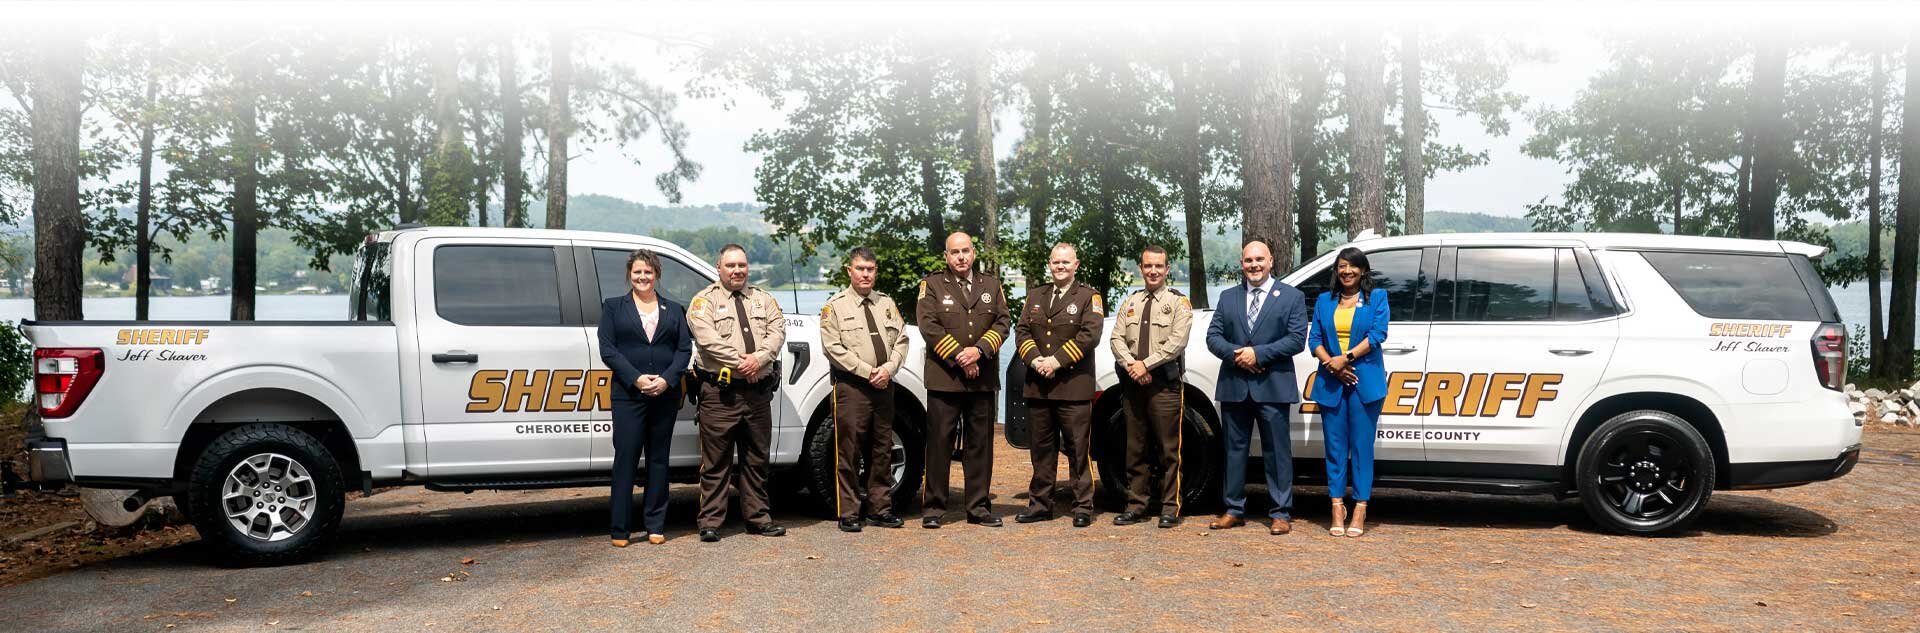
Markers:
point(1528, 605)
point(306, 594)
point(467, 561)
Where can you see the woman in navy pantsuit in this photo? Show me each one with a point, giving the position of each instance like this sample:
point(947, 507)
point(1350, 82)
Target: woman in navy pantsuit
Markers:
point(1349, 324)
point(645, 341)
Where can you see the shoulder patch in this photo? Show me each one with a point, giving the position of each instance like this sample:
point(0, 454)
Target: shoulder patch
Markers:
point(826, 311)
point(1097, 308)
point(1186, 303)
point(923, 289)
point(698, 303)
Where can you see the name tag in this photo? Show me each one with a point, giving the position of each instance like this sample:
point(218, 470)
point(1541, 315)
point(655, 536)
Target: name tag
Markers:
point(946, 302)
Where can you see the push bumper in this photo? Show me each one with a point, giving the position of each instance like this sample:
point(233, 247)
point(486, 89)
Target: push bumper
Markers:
point(1761, 475)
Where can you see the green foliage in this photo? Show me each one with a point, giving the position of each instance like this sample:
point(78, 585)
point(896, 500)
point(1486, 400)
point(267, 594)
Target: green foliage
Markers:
point(16, 363)
point(450, 186)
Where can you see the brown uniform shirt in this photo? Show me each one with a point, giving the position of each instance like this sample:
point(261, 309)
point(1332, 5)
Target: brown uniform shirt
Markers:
point(848, 342)
point(1066, 329)
point(715, 319)
point(953, 315)
point(1172, 318)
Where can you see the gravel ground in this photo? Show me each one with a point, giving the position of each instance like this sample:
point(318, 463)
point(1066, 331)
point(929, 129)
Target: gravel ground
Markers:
point(1835, 555)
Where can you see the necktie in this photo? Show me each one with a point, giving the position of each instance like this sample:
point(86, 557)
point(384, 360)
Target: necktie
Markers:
point(1146, 330)
point(746, 333)
point(1253, 305)
point(873, 332)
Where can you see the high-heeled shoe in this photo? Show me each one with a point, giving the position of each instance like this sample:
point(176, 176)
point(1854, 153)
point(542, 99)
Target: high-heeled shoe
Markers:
point(656, 539)
point(1359, 527)
point(1339, 527)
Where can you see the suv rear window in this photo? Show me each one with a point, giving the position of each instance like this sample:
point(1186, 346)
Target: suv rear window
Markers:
point(1738, 285)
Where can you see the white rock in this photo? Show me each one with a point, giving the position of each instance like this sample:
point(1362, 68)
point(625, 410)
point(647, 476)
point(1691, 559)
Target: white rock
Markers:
point(1876, 394)
point(1859, 408)
point(1889, 417)
point(1851, 387)
point(1913, 409)
point(1915, 386)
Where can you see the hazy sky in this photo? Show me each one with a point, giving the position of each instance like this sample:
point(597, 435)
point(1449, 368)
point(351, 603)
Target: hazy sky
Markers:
point(1504, 186)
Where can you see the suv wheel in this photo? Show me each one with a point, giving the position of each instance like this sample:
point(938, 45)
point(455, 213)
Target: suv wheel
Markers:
point(265, 494)
point(1202, 456)
point(1645, 472)
point(908, 455)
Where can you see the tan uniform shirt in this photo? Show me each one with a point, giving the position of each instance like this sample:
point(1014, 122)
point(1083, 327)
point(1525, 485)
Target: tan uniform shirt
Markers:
point(953, 314)
point(848, 341)
point(715, 319)
point(1065, 328)
point(1172, 319)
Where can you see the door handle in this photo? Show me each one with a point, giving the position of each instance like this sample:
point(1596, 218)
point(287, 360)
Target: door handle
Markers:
point(456, 356)
point(1397, 350)
point(1571, 352)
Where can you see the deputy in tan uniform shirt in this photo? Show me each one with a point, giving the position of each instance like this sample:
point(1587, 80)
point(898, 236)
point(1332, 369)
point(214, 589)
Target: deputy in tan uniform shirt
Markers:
point(865, 341)
point(962, 314)
point(1057, 331)
point(738, 330)
point(1149, 341)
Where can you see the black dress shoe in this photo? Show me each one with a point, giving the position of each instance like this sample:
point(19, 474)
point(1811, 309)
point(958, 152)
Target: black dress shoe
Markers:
point(886, 520)
point(769, 529)
point(1169, 520)
point(849, 525)
point(931, 523)
point(989, 521)
point(1082, 519)
point(1032, 517)
point(709, 536)
point(1129, 518)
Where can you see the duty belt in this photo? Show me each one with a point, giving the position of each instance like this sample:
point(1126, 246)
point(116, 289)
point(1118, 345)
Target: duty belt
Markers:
point(725, 379)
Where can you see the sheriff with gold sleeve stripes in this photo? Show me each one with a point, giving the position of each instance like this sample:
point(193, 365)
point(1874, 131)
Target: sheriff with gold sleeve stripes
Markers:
point(954, 313)
point(1066, 326)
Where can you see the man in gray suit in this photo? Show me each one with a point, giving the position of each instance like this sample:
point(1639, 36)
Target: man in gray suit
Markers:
point(1257, 329)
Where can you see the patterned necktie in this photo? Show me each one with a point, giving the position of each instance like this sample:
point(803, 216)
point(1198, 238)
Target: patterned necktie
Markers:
point(873, 332)
point(740, 311)
point(1146, 330)
point(1253, 304)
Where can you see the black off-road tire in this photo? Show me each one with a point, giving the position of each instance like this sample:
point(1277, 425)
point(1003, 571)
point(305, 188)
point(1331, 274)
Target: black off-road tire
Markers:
point(820, 460)
point(1202, 458)
point(209, 480)
point(1646, 473)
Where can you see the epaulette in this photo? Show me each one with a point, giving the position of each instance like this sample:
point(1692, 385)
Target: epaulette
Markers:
point(1176, 292)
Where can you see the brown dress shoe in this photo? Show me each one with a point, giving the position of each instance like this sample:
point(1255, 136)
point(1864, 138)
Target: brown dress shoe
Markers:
point(1225, 522)
point(1280, 526)
point(619, 542)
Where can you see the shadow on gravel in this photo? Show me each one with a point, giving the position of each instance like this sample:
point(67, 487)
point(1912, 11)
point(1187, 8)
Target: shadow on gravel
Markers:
point(1727, 514)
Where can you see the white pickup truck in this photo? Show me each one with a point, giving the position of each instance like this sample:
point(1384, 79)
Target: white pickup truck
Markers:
point(468, 360)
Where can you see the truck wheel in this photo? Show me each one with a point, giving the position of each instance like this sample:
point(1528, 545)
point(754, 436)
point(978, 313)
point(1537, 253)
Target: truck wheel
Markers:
point(1645, 472)
point(265, 494)
point(1202, 455)
point(908, 455)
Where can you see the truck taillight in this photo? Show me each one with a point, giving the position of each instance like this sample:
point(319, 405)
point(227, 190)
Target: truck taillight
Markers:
point(1830, 355)
point(62, 378)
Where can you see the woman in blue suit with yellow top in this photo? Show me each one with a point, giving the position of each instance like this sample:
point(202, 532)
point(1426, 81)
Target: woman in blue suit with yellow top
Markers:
point(1349, 324)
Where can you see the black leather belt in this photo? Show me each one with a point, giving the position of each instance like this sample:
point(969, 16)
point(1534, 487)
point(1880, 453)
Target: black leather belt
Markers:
point(724, 379)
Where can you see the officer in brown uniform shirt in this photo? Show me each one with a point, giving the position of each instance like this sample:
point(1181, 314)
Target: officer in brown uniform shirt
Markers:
point(963, 318)
point(1149, 340)
point(865, 341)
point(737, 333)
point(1058, 328)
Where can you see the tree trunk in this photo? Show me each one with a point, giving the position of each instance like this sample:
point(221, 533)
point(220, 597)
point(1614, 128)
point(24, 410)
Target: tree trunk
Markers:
point(1186, 108)
point(1269, 163)
point(1306, 126)
point(450, 170)
point(560, 126)
point(983, 205)
point(1676, 204)
point(513, 182)
point(1876, 331)
point(1742, 186)
point(1039, 183)
point(1367, 137)
point(930, 196)
point(246, 183)
point(1906, 228)
point(1413, 138)
point(59, 228)
point(143, 208)
point(483, 159)
point(1767, 127)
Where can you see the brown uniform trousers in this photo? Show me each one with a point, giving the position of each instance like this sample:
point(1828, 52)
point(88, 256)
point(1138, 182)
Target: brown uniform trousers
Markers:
point(1155, 411)
point(954, 314)
point(859, 335)
point(735, 420)
point(1059, 409)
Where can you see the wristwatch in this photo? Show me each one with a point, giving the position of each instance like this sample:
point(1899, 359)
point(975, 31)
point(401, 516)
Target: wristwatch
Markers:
point(1349, 356)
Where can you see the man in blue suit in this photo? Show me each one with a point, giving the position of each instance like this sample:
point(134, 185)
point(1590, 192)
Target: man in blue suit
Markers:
point(1258, 327)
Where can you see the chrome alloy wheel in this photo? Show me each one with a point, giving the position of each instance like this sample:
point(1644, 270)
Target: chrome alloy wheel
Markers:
point(269, 497)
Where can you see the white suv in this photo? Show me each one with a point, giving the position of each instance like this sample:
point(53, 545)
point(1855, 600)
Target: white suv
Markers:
point(1640, 372)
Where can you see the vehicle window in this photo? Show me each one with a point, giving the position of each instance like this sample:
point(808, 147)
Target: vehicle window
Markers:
point(1503, 284)
point(496, 285)
point(1570, 299)
point(1736, 286)
point(678, 281)
point(1397, 271)
point(370, 297)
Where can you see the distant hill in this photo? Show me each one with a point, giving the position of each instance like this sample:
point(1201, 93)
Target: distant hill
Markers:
point(606, 213)
point(1457, 222)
